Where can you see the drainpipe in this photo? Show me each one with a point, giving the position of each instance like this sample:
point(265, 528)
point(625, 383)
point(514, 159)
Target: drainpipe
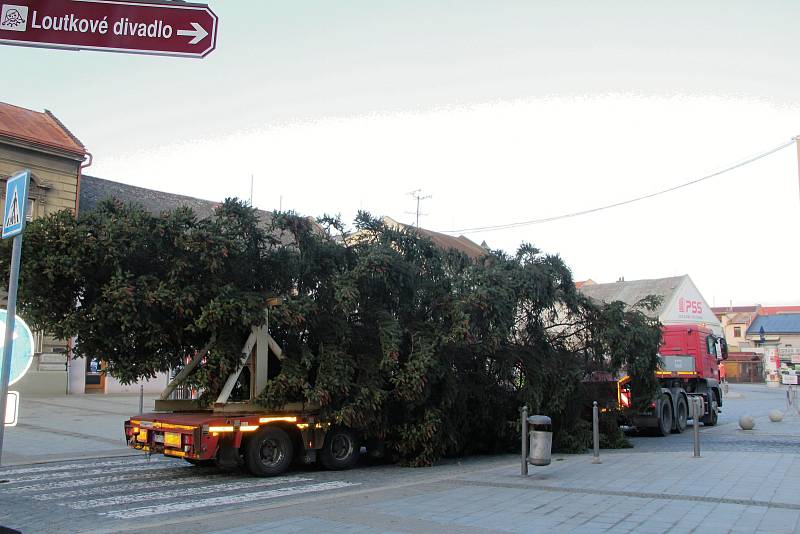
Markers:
point(82, 166)
point(86, 163)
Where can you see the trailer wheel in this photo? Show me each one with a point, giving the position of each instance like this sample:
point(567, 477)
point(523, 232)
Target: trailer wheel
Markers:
point(681, 414)
point(269, 452)
point(664, 417)
point(711, 418)
point(341, 449)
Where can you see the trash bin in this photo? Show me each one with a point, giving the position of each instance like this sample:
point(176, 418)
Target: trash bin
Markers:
point(541, 436)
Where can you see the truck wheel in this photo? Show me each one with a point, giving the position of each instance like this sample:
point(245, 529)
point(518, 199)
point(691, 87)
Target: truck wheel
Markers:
point(341, 449)
point(664, 417)
point(681, 414)
point(269, 452)
point(711, 418)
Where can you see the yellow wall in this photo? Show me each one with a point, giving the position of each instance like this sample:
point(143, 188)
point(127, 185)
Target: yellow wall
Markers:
point(54, 183)
point(53, 187)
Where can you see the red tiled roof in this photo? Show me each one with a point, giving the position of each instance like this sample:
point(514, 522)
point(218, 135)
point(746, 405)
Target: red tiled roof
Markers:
point(734, 309)
point(580, 283)
point(38, 128)
point(775, 310)
point(444, 241)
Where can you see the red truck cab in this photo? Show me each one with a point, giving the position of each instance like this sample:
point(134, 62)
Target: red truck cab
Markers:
point(690, 356)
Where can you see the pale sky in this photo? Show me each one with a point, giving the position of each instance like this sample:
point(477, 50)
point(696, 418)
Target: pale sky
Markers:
point(502, 111)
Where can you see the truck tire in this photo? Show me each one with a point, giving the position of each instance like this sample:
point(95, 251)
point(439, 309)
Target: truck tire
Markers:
point(269, 452)
point(341, 449)
point(712, 417)
point(681, 414)
point(664, 426)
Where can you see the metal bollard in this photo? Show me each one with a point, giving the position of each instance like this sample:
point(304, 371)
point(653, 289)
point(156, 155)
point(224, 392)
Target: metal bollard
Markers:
point(524, 411)
point(596, 433)
point(697, 412)
point(141, 399)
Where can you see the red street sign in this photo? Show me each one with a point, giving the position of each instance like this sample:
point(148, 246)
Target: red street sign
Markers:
point(143, 27)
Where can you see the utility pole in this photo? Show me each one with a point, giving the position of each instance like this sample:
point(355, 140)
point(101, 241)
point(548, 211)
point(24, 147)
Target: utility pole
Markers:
point(417, 194)
point(251, 190)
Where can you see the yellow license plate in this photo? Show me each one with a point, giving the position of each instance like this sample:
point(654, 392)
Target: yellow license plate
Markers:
point(172, 439)
point(142, 435)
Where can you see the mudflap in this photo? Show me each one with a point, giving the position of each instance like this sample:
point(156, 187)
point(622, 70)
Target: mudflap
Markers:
point(229, 457)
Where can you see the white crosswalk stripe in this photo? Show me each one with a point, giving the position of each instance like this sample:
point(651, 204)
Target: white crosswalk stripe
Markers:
point(65, 467)
point(89, 472)
point(183, 492)
point(137, 475)
point(120, 488)
point(131, 488)
point(182, 506)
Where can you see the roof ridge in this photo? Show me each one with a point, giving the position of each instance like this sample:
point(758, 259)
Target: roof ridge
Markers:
point(214, 203)
point(63, 127)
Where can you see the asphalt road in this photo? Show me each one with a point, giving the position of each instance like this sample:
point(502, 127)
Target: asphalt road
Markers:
point(480, 494)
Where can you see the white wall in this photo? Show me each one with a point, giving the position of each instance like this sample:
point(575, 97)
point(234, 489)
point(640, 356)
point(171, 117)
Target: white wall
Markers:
point(689, 307)
point(156, 385)
point(77, 376)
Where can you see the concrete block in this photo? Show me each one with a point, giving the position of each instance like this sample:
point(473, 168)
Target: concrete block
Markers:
point(51, 367)
point(47, 357)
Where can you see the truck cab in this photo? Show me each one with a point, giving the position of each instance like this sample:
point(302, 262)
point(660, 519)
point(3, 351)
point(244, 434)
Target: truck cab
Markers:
point(691, 351)
point(690, 356)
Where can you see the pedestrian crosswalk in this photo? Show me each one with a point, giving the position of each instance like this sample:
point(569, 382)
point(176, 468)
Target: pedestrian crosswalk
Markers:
point(131, 488)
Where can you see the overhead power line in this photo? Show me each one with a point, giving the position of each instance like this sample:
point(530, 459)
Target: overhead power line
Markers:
point(492, 228)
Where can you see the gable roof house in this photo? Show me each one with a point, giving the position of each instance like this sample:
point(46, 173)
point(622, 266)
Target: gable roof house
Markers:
point(443, 241)
point(681, 301)
point(39, 142)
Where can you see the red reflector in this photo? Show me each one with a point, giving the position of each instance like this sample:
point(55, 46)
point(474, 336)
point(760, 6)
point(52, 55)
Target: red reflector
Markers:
point(624, 398)
point(188, 439)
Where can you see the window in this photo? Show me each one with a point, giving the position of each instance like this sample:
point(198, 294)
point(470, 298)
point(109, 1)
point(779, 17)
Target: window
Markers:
point(737, 331)
point(711, 346)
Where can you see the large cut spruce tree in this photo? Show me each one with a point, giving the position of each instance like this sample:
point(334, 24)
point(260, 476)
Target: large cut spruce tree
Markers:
point(421, 348)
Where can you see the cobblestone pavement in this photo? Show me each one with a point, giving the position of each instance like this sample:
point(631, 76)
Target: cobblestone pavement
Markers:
point(742, 399)
point(744, 482)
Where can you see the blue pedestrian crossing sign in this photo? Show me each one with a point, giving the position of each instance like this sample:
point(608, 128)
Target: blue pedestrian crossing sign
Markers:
point(15, 204)
point(22, 350)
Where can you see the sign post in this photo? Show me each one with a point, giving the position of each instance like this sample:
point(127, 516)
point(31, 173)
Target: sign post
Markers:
point(13, 224)
point(137, 27)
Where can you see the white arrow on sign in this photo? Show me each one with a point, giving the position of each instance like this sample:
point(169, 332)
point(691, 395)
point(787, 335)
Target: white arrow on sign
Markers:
point(199, 33)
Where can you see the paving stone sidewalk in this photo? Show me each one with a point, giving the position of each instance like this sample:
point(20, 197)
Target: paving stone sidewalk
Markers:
point(70, 427)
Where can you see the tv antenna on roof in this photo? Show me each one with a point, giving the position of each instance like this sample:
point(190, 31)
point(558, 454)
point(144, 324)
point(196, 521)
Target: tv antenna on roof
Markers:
point(417, 194)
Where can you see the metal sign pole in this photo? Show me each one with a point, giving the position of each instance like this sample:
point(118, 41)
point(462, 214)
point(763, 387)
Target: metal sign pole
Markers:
point(13, 225)
point(596, 434)
point(8, 345)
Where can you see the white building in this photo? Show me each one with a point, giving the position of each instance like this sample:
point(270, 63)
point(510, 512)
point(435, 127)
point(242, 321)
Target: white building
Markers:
point(682, 302)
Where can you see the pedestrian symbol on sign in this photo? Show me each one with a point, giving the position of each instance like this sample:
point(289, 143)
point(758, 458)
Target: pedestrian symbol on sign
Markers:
point(13, 211)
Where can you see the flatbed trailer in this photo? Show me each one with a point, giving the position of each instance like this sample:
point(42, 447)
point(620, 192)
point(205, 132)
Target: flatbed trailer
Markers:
point(265, 443)
point(242, 434)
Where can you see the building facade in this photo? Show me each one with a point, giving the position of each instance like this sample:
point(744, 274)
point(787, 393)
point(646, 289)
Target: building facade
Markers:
point(38, 141)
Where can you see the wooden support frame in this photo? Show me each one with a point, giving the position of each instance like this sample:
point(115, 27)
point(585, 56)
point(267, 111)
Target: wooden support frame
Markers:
point(180, 377)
